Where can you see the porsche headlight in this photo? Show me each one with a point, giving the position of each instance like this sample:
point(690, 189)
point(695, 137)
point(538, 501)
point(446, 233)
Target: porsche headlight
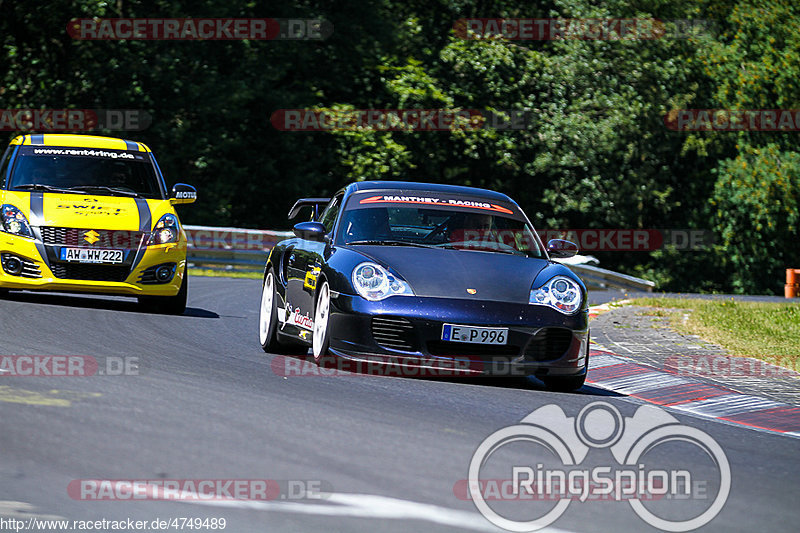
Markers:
point(167, 230)
point(374, 282)
point(14, 221)
point(560, 293)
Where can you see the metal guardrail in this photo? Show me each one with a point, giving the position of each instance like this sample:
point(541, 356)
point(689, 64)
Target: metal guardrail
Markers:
point(246, 250)
point(600, 278)
point(242, 250)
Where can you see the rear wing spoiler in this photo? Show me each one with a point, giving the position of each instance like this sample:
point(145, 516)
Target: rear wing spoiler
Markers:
point(315, 203)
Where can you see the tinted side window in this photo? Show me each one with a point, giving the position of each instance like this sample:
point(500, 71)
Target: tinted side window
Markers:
point(328, 216)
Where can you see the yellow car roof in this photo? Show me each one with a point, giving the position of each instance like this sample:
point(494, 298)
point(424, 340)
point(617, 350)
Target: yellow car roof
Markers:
point(80, 141)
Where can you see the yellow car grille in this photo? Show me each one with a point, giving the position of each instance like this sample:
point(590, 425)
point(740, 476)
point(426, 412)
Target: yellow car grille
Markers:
point(92, 238)
point(90, 272)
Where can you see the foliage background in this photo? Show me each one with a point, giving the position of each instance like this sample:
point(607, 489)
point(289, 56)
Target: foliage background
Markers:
point(598, 156)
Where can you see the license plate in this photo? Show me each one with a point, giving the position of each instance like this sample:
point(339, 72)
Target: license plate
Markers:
point(91, 255)
point(474, 335)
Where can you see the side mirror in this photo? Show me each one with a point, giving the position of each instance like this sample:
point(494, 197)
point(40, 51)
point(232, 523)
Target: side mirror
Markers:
point(182, 194)
point(311, 231)
point(561, 249)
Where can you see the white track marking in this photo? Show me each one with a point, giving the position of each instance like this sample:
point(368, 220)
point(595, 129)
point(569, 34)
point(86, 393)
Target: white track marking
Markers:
point(641, 382)
point(23, 511)
point(600, 361)
point(731, 404)
point(369, 506)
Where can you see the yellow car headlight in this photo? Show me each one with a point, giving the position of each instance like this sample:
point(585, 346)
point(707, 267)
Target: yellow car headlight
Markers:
point(166, 231)
point(14, 221)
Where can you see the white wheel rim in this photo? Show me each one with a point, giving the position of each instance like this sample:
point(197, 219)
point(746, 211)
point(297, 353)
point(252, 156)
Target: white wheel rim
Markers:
point(321, 319)
point(265, 316)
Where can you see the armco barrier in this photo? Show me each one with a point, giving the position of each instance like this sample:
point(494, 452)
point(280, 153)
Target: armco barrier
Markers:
point(246, 250)
point(600, 278)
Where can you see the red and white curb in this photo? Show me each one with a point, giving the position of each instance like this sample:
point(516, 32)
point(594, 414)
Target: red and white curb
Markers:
point(620, 374)
point(612, 372)
point(604, 308)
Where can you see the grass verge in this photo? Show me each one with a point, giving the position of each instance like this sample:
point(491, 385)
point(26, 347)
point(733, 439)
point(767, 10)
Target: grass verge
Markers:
point(224, 273)
point(753, 329)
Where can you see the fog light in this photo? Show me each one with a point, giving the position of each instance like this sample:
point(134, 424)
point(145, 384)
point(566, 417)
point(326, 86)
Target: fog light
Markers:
point(163, 273)
point(12, 265)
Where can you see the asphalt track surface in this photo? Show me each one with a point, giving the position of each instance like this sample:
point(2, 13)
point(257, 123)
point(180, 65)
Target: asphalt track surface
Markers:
point(207, 404)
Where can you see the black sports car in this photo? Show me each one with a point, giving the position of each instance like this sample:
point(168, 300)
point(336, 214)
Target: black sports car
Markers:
point(426, 275)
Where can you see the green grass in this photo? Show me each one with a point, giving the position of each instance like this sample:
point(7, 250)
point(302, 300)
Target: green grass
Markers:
point(753, 329)
point(224, 273)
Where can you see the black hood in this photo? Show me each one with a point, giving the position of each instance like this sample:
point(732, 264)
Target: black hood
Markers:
point(449, 273)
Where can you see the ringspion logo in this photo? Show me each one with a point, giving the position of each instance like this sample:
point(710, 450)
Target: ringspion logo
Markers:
point(519, 495)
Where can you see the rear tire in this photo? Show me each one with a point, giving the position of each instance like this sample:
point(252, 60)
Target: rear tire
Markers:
point(564, 383)
point(168, 305)
point(268, 321)
point(268, 314)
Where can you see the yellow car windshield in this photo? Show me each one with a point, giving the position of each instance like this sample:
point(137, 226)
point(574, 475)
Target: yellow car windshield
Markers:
point(81, 171)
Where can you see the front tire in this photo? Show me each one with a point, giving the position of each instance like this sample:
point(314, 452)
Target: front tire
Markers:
point(322, 336)
point(170, 305)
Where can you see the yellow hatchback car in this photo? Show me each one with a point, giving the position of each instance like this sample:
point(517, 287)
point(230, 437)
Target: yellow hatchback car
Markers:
point(82, 213)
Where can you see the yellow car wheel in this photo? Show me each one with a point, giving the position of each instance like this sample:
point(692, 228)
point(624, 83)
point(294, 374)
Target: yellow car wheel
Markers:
point(170, 305)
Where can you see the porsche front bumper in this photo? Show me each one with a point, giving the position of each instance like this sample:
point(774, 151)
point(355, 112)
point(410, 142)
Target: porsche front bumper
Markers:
point(407, 331)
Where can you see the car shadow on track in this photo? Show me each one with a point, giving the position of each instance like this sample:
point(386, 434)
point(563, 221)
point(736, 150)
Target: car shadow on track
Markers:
point(525, 383)
point(91, 301)
point(306, 365)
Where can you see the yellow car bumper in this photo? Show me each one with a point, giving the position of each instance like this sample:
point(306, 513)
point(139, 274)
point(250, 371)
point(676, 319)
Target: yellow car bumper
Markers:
point(39, 274)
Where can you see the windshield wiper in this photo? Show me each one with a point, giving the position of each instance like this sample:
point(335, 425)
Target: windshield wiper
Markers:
point(452, 246)
point(39, 187)
point(391, 243)
point(103, 188)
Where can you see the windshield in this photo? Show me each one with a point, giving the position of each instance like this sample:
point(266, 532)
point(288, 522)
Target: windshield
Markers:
point(85, 170)
point(468, 225)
